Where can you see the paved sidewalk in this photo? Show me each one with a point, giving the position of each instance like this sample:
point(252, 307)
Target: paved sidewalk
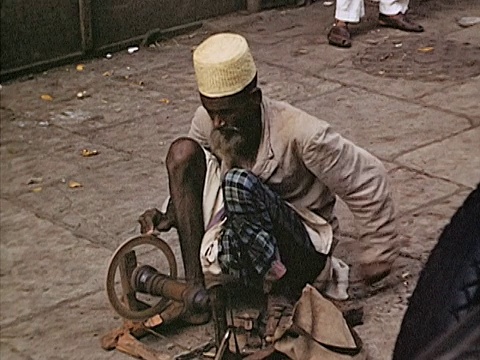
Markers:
point(417, 110)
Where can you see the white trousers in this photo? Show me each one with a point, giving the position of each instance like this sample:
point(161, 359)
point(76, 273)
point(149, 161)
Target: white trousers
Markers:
point(353, 10)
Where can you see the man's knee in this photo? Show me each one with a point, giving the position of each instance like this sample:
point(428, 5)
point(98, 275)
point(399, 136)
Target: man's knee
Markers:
point(239, 185)
point(184, 152)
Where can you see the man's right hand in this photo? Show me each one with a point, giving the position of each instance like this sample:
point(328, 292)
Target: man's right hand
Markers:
point(154, 219)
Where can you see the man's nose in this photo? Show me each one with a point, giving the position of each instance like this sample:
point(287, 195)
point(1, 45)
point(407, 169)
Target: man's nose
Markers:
point(218, 122)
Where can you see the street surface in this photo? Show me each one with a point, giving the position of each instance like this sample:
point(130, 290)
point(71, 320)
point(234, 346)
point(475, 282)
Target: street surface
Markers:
point(410, 99)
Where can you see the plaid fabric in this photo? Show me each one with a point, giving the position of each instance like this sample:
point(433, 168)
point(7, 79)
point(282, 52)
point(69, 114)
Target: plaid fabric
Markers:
point(256, 218)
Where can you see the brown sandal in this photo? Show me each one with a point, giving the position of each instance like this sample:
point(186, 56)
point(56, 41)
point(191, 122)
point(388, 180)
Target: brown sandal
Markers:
point(339, 36)
point(399, 21)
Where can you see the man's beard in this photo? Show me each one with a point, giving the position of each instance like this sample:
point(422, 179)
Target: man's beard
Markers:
point(232, 147)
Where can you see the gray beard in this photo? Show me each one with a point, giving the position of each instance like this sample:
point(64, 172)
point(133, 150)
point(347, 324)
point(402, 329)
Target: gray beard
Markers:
point(229, 145)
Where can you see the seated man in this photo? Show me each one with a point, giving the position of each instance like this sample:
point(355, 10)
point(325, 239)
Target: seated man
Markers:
point(274, 169)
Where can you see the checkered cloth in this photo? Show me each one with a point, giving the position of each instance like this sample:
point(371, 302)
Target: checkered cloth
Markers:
point(257, 218)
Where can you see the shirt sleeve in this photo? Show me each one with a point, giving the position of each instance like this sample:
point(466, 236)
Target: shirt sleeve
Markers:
point(361, 180)
point(201, 127)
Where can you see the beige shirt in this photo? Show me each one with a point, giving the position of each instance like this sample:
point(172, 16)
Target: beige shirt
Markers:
point(307, 163)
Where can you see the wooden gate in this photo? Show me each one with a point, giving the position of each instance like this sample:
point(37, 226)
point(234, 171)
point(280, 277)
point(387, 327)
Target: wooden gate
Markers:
point(36, 35)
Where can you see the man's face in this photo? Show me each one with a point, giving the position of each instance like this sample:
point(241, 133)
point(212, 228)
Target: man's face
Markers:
point(236, 123)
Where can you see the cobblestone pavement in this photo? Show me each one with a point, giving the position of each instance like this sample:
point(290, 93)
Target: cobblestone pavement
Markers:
point(420, 116)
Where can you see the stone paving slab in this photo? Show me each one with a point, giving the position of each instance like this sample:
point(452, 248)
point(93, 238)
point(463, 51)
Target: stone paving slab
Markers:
point(10, 353)
point(384, 315)
point(149, 137)
point(470, 35)
point(421, 229)
point(25, 159)
point(108, 107)
point(387, 127)
point(308, 55)
point(455, 158)
point(464, 102)
point(410, 190)
point(69, 331)
point(279, 24)
point(286, 85)
point(121, 191)
point(348, 74)
point(37, 276)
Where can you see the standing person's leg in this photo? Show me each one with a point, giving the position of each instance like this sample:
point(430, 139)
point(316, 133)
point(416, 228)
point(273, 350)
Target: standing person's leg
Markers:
point(393, 14)
point(393, 7)
point(186, 173)
point(349, 11)
point(260, 227)
point(346, 11)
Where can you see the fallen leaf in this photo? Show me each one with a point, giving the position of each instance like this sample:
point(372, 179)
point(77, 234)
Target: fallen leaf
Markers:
point(107, 73)
point(73, 184)
point(37, 189)
point(80, 67)
point(46, 97)
point(426, 49)
point(165, 101)
point(87, 153)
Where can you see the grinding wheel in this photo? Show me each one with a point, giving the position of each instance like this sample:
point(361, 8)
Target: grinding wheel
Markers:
point(122, 306)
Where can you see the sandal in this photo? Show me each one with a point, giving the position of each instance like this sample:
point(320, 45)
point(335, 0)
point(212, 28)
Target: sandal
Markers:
point(339, 36)
point(399, 21)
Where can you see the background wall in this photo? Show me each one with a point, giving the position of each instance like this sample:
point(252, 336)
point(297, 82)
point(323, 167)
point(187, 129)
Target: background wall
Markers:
point(36, 35)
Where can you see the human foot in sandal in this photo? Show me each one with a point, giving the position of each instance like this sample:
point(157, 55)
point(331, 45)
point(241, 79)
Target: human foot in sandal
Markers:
point(339, 35)
point(399, 21)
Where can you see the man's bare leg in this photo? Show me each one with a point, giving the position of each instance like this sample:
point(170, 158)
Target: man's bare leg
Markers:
point(186, 173)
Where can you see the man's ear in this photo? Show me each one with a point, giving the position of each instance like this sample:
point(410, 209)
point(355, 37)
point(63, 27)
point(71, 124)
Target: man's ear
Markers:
point(256, 96)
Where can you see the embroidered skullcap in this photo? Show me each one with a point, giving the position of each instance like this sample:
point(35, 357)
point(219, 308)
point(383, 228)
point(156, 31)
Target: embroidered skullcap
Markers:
point(223, 65)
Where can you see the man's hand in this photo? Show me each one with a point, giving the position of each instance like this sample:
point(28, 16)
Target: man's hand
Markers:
point(154, 219)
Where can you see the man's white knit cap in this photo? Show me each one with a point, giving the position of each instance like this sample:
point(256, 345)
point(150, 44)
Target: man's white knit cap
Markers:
point(223, 65)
